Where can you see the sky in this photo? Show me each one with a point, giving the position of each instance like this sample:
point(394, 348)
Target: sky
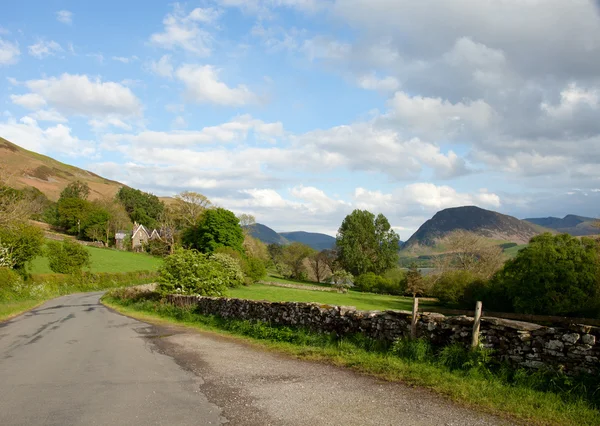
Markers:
point(299, 111)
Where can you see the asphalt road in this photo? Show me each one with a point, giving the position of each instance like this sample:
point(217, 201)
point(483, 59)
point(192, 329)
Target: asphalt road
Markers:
point(72, 361)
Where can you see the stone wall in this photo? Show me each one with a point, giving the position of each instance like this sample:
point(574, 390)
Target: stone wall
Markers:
point(574, 348)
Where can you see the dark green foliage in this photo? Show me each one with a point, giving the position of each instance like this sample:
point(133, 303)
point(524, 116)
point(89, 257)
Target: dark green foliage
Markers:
point(217, 228)
point(141, 207)
point(458, 357)
point(367, 243)
point(192, 272)
point(293, 257)
point(373, 283)
point(507, 245)
point(71, 213)
point(415, 283)
point(157, 247)
point(554, 275)
point(77, 189)
point(67, 257)
point(24, 243)
point(459, 288)
point(412, 350)
point(9, 279)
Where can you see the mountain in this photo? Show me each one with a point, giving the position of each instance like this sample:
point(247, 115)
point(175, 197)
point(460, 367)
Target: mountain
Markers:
point(487, 223)
point(25, 168)
point(570, 224)
point(312, 239)
point(267, 235)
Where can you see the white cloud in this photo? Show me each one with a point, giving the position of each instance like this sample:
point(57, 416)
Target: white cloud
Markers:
point(80, 95)
point(178, 122)
point(9, 52)
point(43, 49)
point(184, 31)
point(325, 48)
point(29, 100)
point(48, 115)
point(124, 59)
point(103, 123)
point(372, 82)
point(162, 67)
point(203, 86)
point(64, 16)
point(571, 98)
point(28, 134)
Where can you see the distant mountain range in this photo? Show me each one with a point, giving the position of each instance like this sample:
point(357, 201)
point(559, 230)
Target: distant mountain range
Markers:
point(570, 224)
point(312, 239)
point(486, 223)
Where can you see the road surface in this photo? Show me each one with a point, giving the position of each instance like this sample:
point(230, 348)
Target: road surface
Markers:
point(73, 361)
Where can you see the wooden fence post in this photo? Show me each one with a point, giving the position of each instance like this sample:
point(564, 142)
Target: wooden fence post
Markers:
point(415, 313)
point(476, 325)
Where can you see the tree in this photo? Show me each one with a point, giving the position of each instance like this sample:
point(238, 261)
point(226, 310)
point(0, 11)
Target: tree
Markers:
point(318, 264)
point(553, 275)
point(141, 207)
point(13, 206)
point(217, 228)
point(294, 256)
point(255, 248)
point(189, 207)
point(71, 212)
point(117, 218)
point(247, 221)
point(367, 243)
point(67, 257)
point(342, 281)
point(23, 241)
point(76, 189)
point(470, 252)
point(168, 222)
point(330, 258)
point(415, 284)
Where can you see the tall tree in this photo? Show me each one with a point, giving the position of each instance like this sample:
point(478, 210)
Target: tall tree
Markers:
point(367, 243)
point(189, 206)
point(217, 228)
point(294, 256)
point(319, 265)
point(142, 207)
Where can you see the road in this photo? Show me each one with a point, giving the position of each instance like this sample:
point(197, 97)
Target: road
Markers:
point(73, 361)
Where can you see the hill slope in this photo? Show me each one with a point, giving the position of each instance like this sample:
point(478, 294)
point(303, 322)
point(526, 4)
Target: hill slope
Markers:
point(570, 224)
point(487, 223)
point(26, 168)
point(311, 239)
point(267, 235)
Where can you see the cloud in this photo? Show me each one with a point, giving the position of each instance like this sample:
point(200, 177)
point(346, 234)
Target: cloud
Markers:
point(9, 52)
point(80, 95)
point(203, 86)
point(30, 135)
point(43, 49)
point(103, 123)
point(64, 16)
point(124, 59)
point(372, 82)
point(48, 115)
point(29, 100)
point(184, 32)
point(162, 67)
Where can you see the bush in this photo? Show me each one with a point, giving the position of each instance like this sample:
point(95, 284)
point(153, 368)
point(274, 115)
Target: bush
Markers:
point(232, 268)
point(254, 269)
point(413, 350)
point(67, 257)
point(553, 275)
point(23, 241)
point(158, 247)
point(9, 282)
point(192, 272)
point(458, 288)
point(342, 280)
point(372, 283)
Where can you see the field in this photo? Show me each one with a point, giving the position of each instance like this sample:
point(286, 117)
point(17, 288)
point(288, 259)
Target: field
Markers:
point(363, 301)
point(107, 260)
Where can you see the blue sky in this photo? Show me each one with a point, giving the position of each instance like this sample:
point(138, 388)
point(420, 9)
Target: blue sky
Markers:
point(299, 111)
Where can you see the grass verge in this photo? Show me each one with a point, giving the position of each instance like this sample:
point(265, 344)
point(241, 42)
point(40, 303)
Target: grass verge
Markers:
point(473, 386)
point(10, 310)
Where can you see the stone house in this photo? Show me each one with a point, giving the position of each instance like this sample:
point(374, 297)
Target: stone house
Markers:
point(141, 235)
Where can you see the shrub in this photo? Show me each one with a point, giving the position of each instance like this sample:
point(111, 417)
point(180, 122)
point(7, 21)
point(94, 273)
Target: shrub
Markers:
point(24, 242)
point(67, 257)
point(342, 280)
point(158, 247)
point(9, 280)
point(254, 269)
point(553, 275)
point(458, 288)
point(192, 272)
point(372, 283)
point(231, 267)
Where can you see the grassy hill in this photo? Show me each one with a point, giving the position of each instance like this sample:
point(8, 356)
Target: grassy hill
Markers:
point(311, 239)
point(570, 224)
point(26, 168)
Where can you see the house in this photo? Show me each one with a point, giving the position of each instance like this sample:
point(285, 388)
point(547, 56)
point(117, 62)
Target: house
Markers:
point(141, 235)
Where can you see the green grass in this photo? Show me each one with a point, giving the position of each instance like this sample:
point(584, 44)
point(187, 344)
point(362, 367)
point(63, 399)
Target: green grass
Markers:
point(12, 309)
point(280, 280)
point(107, 260)
point(469, 387)
point(512, 252)
point(364, 301)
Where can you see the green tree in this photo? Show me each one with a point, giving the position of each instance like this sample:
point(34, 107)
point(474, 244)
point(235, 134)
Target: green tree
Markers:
point(232, 268)
point(67, 257)
point(217, 228)
point(76, 189)
point(553, 275)
point(141, 207)
point(294, 256)
point(71, 214)
point(415, 284)
point(23, 241)
point(367, 243)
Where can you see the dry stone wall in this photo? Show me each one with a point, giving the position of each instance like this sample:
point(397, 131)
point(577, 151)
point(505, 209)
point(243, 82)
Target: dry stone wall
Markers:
point(573, 349)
